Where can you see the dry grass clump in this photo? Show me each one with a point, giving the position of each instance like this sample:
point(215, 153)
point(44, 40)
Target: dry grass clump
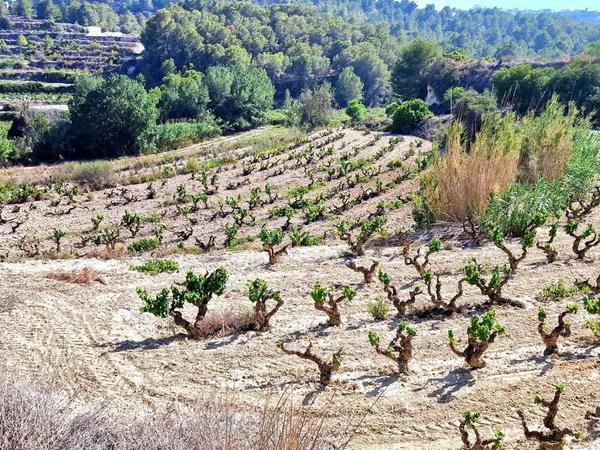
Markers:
point(87, 275)
point(225, 322)
point(462, 181)
point(93, 175)
point(34, 417)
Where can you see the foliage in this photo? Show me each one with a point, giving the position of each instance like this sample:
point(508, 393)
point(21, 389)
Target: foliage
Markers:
point(348, 87)
point(556, 291)
point(144, 245)
point(409, 77)
point(239, 95)
point(156, 266)
point(197, 290)
point(409, 114)
point(111, 117)
point(315, 106)
point(183, 96)
point(356, 111)
point(481, 327)
point(524, 87)
point(174, 135)
point(378, 308)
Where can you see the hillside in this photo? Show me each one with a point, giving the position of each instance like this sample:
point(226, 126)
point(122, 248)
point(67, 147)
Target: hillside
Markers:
point(95, 339)
point(481, 31)
point(40, 60)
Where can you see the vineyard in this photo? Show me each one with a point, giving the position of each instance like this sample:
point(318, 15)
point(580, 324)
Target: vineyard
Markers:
point(40, 60)
point(275, 263)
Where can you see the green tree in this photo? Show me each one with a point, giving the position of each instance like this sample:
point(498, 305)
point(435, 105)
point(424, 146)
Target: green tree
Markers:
point(348, 87)
point(579, 81)
point(409, 77)
point(111, 117)
point(241, 96)
point(523, 87)
point(183, 96)
point(315, 106)
point(46, 10)
point(23, 8)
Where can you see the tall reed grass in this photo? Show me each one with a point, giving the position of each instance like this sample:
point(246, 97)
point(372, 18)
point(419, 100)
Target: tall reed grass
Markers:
point(555, 147)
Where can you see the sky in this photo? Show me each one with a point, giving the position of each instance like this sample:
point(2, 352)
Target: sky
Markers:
point(520, 4)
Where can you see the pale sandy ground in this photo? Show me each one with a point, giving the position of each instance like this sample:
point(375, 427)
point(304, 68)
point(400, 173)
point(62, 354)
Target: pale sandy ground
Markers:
point(95, 339)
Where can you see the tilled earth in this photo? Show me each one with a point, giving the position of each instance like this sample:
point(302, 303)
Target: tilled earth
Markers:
point(95, 340)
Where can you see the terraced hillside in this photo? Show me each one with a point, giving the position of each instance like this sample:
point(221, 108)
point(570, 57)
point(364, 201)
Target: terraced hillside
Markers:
point(204, 207)
point(39, 60)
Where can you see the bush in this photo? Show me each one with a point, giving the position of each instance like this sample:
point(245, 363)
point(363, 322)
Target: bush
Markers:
point(156, 266)
point(144, 245)
point(197, 290)
point(556, 291)
point(461, 182)
point(356, 111)
point(378, 308)
point(315, 106)
point(409, 114)
point(183, 96)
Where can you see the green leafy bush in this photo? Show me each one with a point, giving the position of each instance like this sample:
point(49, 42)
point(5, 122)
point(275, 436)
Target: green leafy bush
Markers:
point(378, 308)
point(144, 245)
point(409, 114)
point(557, 290)
point(197, 290)
point(156, 266)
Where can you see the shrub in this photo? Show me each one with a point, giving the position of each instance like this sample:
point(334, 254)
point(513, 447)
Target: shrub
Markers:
point(395, 297)
point(470, 418)
point(302, 238)
point(475, 275)
point(356, 111)
point(368, 228)
point(553, 437)
point(133, 222)
point(144, 245)
point(197, 290)
point(111, 117)
point(482, 332)
point(563, 329)
point(409, 114)
point(583, 241)
point(107, 237)
point(368, 272)
point(44, 416)
point(548, 143)
point(315, 106)
point(400, 349)
point(325, 300)
point(556, 290)
point(462, 182)
point(592, 306)
point(259, 293)
point(84, 276)
point(172, 136)
point(326, 368)
point(156, 266)
point(378, 308)
point(270, 239)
